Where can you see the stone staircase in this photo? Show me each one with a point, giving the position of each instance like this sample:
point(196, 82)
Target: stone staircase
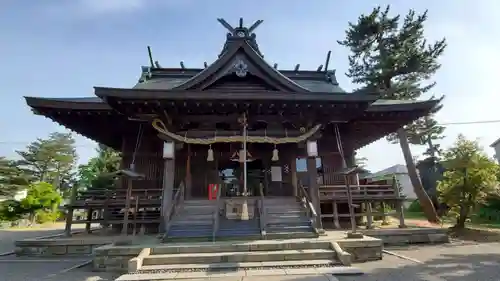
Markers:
point(247, 258)
point(194, 219)
point(286, 216)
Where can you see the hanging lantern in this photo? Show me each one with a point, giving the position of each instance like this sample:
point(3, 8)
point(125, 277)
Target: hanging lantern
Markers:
point(210, 154)
point(275, 154)
point(168, 150)
point(312, 149)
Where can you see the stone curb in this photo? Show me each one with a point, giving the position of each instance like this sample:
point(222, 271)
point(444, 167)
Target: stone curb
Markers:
point(45, 237)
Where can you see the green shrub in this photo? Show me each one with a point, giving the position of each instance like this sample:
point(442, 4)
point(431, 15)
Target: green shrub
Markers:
point(415, 207)
point(11, 210)
point(43, 216)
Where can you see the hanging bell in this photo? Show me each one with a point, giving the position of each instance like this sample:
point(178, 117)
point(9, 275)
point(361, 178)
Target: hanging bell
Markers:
point(210, 155)
point(275, 155)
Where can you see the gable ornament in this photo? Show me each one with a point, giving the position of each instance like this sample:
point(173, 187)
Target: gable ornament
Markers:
point(240, 68)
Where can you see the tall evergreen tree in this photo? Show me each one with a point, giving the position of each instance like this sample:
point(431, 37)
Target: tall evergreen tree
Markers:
point(393, 57)
point(12, 179)
point(97, 172)
point(50, 160)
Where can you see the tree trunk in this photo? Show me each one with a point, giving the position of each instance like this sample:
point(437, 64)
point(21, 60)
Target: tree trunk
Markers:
point(462, 216)
point(424, 199)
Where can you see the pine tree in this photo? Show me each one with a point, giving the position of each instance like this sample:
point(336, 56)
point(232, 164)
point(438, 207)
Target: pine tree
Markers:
point(394, 58)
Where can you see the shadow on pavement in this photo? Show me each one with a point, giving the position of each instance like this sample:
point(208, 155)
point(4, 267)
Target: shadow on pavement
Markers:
point(446, 267)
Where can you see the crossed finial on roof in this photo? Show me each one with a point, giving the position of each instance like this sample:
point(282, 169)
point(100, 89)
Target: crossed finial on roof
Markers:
point(240, 30)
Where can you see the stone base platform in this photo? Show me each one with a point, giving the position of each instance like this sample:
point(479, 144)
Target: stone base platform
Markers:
point(410, 235)
point(70, 246)
point(330, 251)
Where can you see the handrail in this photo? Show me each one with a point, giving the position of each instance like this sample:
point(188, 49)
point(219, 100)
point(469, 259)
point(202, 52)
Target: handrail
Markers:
point(178, 199)
point(262, 212)
point(306, 201)
point(215, 216)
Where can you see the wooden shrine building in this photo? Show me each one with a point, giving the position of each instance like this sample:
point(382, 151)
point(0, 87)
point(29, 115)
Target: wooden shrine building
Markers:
point(219, 146)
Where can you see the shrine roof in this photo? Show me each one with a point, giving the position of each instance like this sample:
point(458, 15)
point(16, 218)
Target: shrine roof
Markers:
point(317, 82)
point(242, 61)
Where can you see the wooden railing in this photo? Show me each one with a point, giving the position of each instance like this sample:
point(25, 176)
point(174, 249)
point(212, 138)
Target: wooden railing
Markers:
point(176, 203)
point(96, 197)
point(262, 212)
point(360, 192)
point(307, 204)
point(216, 216)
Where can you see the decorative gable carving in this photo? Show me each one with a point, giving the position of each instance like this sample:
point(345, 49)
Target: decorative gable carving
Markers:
point(241, 57)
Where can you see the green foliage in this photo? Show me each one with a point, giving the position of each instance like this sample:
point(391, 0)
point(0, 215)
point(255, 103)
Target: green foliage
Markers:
point(41, 196)
point(415, 207)
point(12, 179)
point(46, 216)
point(50, 160)
point(11, 210)
point(470, 177)
point(391, 56)
point(96, 174)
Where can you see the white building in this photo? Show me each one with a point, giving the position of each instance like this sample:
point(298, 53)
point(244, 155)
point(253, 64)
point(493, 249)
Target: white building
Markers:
point(20, 195)
point(401, 174)
point(496, 146)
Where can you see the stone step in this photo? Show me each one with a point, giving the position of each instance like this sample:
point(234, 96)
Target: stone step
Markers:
point(284, 211)
point(329, 272)
point(196, 212)
point(254, 256)
point(239, 265)
point(277, 219)
point(201, 204)
point(241, 246)
point(288, 227)
point(194, 221)
point(277, 234)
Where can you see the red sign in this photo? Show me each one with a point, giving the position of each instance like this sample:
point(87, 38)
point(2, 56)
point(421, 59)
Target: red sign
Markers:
point(212, 191)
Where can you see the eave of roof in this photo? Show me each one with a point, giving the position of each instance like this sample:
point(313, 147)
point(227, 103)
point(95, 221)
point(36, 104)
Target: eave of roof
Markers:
point(150, 94)
point(402, 105)
point(87, 103)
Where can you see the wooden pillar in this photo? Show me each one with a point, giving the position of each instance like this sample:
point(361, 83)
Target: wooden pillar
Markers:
point(69, 214)
point(89, 220)
point(369, 215)
point(313, 189)
point(401, 215)
point(187, 195)
point(168, 189)
point(136, 209)
point(336, 221)
point(106, 214)
point(293, 168)
point(127, 207)
point(384, 215)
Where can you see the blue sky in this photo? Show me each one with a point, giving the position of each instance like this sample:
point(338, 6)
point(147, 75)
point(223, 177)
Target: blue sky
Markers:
point(56, 48)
